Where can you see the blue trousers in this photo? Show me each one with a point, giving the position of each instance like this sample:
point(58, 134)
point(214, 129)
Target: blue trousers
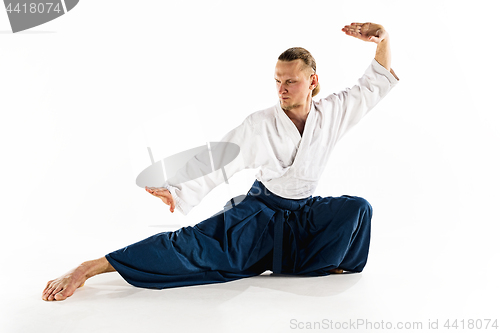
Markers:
point(263, 232)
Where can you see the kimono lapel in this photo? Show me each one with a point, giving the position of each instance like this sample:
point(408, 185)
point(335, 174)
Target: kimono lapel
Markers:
point(292, 130)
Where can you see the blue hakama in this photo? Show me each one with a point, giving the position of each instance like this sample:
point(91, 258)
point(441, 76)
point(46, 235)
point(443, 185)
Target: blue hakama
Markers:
point(263, 232)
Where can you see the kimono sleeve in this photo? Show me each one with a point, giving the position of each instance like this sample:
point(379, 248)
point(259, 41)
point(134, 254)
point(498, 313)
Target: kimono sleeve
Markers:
point(207, 170)
point(352, 104)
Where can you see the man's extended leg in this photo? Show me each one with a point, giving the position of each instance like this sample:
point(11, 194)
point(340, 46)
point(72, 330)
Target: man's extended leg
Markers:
point(64, 286)
point(231, 245)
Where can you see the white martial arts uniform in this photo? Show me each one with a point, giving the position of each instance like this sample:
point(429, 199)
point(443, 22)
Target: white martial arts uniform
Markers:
point(290, 164)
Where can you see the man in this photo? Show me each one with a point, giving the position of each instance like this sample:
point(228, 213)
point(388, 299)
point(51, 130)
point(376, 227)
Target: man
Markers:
point(278, 226)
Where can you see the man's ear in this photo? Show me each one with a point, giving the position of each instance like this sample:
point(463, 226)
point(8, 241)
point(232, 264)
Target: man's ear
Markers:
point(314, 80)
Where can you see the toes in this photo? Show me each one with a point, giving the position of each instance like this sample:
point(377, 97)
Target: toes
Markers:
point(48, 284)
point(49, 292)
point(45, 295)
point(56, 293)
point(52, 296)
point(59, 296)
point(57, 289)
point(62, 295)
point(47, 287)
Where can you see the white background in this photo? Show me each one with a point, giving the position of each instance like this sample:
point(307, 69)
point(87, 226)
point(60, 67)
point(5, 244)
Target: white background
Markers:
point(83, 96)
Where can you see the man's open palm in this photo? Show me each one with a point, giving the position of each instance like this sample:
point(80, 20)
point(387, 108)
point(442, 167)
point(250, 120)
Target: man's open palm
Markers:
point(164, 195)
point(369, 32)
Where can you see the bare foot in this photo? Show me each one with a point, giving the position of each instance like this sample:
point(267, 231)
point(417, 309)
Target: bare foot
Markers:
point(63, 287)
point(336, 271)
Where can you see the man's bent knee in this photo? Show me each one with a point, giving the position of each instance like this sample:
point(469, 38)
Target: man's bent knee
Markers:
point(362, 204)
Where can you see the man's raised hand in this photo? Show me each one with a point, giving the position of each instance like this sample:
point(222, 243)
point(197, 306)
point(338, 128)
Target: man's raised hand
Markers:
point(164, 195)
point(369, 32)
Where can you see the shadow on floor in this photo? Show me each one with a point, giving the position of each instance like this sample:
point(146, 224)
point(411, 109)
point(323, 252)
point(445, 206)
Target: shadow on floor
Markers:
point(113, 287)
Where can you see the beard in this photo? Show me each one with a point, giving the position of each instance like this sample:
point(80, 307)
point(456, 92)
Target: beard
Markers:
point(289, 107)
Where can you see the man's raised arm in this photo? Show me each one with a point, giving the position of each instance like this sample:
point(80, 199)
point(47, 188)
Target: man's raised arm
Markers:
point(371, 32)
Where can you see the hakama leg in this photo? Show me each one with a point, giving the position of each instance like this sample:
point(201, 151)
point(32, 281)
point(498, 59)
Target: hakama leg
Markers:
point(228, 246)
point(333, 232)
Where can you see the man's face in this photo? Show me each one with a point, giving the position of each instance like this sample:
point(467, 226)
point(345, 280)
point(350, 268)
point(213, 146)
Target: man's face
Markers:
point(293, 83)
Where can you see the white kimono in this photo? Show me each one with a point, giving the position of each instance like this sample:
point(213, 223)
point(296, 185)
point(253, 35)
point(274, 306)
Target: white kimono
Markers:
point(290, 165)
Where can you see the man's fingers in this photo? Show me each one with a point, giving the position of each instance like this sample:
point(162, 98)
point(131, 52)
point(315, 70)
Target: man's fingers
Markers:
point(157, 193)
point(349, 31)
point(169, 202)
point(352, 27)
point(150, 189)
point(164, 194)
point(352, 30)
point(156, 189)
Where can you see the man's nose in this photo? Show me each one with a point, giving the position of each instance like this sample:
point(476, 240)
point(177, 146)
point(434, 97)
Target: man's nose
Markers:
point(281, 89)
